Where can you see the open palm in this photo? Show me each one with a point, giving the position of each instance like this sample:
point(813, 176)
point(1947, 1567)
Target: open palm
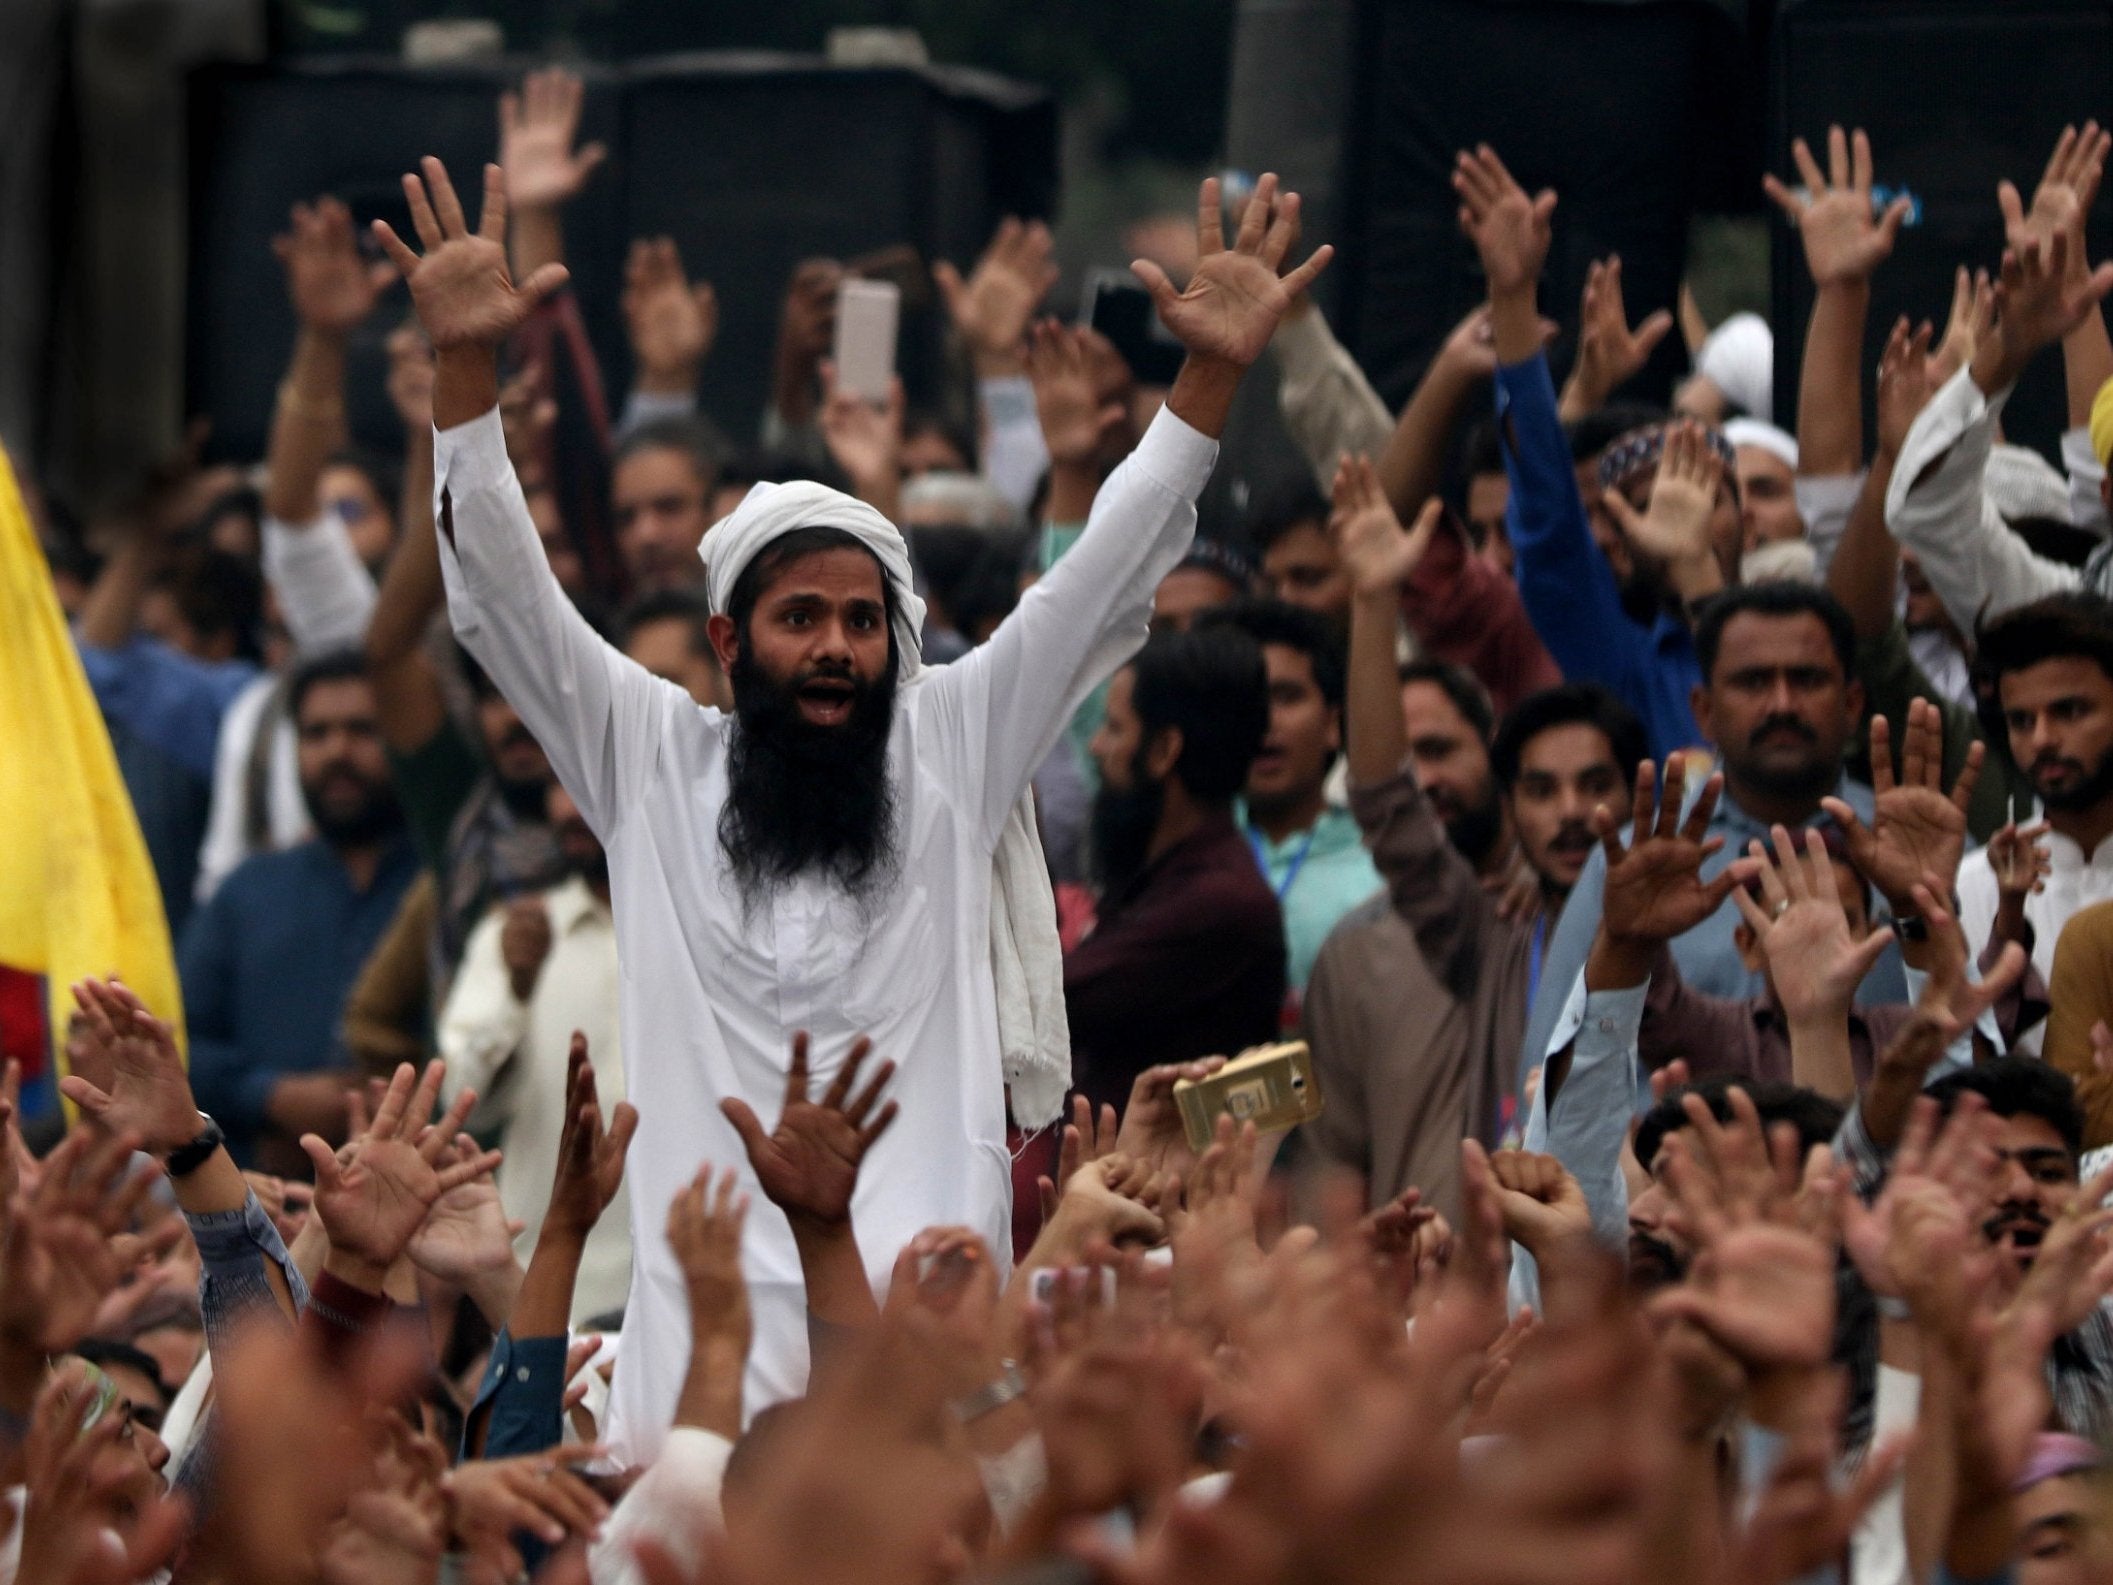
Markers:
point(1233, 300)
point(1916, 827)
point(1654, 888)
point(808, 1164)
point(462, 288)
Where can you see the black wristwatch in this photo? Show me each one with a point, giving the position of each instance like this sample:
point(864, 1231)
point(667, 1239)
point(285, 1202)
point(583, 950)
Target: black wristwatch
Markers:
point(187, 1159)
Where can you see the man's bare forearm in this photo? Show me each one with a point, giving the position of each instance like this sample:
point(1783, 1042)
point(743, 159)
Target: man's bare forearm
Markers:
point(465, 385)
point(1413, 464)
point(308, 425)
point(1830, 384)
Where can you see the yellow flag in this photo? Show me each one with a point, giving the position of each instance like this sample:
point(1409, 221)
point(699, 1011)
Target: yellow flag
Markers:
point(77, 891)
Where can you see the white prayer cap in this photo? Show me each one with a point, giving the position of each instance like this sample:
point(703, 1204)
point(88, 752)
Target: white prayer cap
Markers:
point(1765, 436)
point(1780, 561)
point(2022, 484)
point(771, 511)
point(1739, 358)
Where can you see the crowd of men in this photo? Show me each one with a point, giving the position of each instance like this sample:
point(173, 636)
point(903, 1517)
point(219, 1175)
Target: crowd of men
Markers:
point(688, 942)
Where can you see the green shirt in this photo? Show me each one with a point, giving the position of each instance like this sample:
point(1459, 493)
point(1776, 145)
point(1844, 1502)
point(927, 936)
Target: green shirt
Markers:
point(1319, 875)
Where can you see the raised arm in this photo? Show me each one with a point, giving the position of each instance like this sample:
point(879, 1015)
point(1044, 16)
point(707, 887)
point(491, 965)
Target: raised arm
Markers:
point(544, 172)
point(1610, 351)
point(1845, 242)
point(1866, 565)
point(671, 322)
point(1079, 623)
point(583, 701)
point(2061, 204)
point(407, 693)
point(1412, 463)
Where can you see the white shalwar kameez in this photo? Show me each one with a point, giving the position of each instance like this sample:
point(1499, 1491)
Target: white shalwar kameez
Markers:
point(711, 996)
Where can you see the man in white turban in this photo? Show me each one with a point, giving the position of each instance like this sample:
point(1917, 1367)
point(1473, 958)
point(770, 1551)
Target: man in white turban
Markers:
point(880, 903)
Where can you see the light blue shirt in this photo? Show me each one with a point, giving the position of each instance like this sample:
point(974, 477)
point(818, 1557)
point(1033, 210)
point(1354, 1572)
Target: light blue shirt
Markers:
point(1319, 875)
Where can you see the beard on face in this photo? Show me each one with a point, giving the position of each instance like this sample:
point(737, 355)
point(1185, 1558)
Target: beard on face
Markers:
point(1653, 1263)
point(583, 852)
point(2081, 788)
point(803, 797)
point(1472, 829)
point(522, 795)
point(1809, 777)
point(2017, 1228)
point(1572, 842)
point(349, 809)
point(1122, 825)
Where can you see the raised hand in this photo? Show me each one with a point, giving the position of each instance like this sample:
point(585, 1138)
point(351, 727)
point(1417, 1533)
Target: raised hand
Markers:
point(2039, 300)
point(374, 1191)
point(1511, 231)
point(62, 1249)
point(536, 129)
point(330, 286)
point(1675, 526)
point(864, 440)
point(1543, 1205)
point(1076, 423)
point(76, 1528)
point(462, 288)
point(671, 322)
point(1918, 1240)
point(808, 1164)
point(1916, 828)
point(2064, 196)
point(1905, 384)
point(1367, 534)
point(1654, 888)
point(2021, 862)
point(1610, 352)
point(1844, 241)
point(150, 1094)
point(1972, 316)
point(1231, 305)
point(991, 310)
point(465, 1235)
point(1151, 1130)
point(704, 1231)
point(489, 1500)
point(590, 1156)
point(1800, 924)
point(1762, 1281)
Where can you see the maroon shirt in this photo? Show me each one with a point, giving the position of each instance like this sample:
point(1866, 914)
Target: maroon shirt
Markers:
point(1187, 961)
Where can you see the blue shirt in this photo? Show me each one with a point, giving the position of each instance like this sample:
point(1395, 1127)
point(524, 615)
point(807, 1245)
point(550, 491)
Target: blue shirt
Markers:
point(1319, 875)
point(266, 966)
point(1565, 582)
point(163, 711)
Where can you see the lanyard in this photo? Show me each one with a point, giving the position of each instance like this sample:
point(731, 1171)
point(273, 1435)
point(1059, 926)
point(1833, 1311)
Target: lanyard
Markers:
point(1298, 859)
point(1533, 961)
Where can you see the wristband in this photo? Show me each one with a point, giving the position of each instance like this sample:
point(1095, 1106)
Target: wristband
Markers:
point(188, 1158)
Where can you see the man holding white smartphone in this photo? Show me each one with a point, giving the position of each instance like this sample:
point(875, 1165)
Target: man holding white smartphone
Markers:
point(820, 858)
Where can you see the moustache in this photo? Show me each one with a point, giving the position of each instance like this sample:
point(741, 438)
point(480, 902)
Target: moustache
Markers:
point(1573, 837)
point(1786, 723)
point(2015, 1217)
point(1654, 1260)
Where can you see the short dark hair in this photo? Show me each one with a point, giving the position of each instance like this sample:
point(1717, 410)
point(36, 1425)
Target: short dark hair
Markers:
point(930, 421)
point(1294, 627)
point(2069, 626)
point(1461, 686)
point(1211, 684)
point(218, 593)
point(382, 475)
point(1567, 704)
point(337, 665)
point(102, 1351)
point(781, 553)
point(667, 605)
point(686, 433)
point(1814, 1116)
point(1777, 597)
point(2056, 538)
point(1281, 510)
point(2019, 1087)
point(1597, 430)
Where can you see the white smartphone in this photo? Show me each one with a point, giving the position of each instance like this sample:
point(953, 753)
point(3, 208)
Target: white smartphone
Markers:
point(866, 316)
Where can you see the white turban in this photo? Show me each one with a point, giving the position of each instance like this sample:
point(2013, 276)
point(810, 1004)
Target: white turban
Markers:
point(1739, 358)
point(1763, 436)
point(1027, 961)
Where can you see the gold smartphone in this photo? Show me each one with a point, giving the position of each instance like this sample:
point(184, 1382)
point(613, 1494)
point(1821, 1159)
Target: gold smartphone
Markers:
point(1273, 1087)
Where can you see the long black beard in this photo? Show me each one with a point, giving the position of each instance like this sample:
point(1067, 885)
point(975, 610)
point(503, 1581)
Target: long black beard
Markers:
point(803, 798)
point(1123, 823)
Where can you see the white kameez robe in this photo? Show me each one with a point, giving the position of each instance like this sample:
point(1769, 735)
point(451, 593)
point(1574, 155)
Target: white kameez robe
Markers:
point(711, 997)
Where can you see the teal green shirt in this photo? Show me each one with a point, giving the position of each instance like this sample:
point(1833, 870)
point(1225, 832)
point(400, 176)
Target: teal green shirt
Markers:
point(1318, 875)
